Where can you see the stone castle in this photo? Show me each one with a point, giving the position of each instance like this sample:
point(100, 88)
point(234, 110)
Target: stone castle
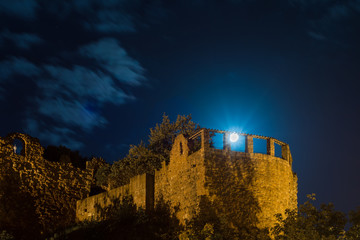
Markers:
point(197, 177)
point(231, 182)
point(54, 187)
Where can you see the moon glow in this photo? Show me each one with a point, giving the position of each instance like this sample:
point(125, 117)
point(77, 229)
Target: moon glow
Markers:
point(234, 137)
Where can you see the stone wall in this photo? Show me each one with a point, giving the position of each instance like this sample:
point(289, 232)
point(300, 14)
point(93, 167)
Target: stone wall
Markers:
point(181, 182)
point(54, 187)
point(254, 186)
point(141, 188)
point(242, 187)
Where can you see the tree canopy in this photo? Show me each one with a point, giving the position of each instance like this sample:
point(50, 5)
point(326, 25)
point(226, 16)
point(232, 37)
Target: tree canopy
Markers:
point(64, 155)
point(145, 158)
point(310, 222)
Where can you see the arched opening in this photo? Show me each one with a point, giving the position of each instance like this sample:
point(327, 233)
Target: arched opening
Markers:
point(19, 146)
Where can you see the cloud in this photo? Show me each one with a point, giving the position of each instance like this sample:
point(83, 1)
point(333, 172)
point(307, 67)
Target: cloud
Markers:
point(98, 15)
point(83, 82)
point(113, 58)
point(334, 21)
point(53, 135)
point(17, 66)
point(80, 94)
point(70, 98)
point(317, 36)
point(21, 8)
point(107, 16)
point(111, 21)
point(22, 40)
point(75, 96)
point(110, 16)
point(70, 112)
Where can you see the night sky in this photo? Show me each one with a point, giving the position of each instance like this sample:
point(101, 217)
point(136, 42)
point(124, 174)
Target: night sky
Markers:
point(96, 75)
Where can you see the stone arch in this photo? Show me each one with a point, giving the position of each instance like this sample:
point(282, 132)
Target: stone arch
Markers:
point(30, 146)
point(180, 146)
point(19, 146)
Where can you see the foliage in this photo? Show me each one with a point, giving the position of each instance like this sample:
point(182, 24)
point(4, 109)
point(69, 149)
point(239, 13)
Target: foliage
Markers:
point(6, 236)
point(102, 175)
point(354, 231)
point(123, 220)
point(65, 155)
point(162, 137)
point(144, 158)
point(310, 223)
point(210, 224)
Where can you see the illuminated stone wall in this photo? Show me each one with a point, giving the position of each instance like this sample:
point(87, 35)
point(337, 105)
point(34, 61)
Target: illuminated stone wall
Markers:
point(141, 188)
point(245, 186)
point(54, 187)
point(232, 181)
point(181, 182)
point(242, 187)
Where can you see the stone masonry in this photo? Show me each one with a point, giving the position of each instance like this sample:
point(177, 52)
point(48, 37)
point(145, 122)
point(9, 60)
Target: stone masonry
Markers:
point(235, 184)
point(54, 187)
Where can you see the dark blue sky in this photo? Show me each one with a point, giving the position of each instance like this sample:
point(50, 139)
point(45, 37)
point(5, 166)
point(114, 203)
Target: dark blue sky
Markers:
point(96, 75)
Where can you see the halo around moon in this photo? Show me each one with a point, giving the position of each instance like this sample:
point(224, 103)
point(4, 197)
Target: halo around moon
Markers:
point(234, 137)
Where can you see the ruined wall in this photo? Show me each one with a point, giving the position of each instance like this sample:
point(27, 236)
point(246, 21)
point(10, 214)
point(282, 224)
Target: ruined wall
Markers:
point(54, 187)
point(244, 188)
point(181, 182)
point(141, 188)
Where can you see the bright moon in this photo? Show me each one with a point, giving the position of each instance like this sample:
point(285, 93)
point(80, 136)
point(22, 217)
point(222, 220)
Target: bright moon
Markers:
point(234, 137)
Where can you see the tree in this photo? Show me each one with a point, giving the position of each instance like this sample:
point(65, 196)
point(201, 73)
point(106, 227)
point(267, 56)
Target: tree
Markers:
point(210, 223)
point(6, 236)
point(65, 155)
point(123, 220)
point(162, 137)
point(311, 223)
point(144, 158)
point(354, 231)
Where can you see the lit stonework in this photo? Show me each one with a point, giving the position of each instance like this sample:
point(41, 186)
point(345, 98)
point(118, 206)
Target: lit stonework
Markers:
point(224, 178)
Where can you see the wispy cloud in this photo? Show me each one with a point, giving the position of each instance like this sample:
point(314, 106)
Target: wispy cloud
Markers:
point(17, 66)
point(334, 21)
point(317, 36)
point(70, 112)
point(21, 40)
point(75, 90)
point(98, 15)
point(71, 94)
point(111, 21)
point(21, 8)
point(53, 135)
point(113, 58)
point(107, 16)
point(73, 97)
point(82, 82)
point(114, 16)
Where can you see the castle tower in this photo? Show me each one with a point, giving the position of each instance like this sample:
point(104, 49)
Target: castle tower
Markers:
point(244, 187)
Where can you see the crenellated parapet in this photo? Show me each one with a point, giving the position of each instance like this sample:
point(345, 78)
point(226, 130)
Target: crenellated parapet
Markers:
point(206, 134)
